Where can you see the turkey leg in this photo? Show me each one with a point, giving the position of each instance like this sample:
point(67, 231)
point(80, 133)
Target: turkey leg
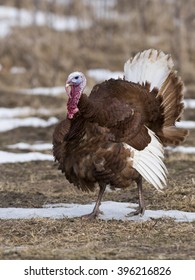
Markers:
point(96, 210)
point(141, 209)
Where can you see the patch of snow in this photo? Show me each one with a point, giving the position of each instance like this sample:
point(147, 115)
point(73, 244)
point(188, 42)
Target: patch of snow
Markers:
point(6, 157)
point(48, 146)
point(100, 75)
point(181, 149)
point(9, 124)
point(111, 210)
point(103, 9)
point(186, 124)
point(102, 3)
point(189, 103)
point(62, 2)
point(70, 23)
point(22, 112)
point(17, 70)
point(52, 91)
point(33, 147)
point(11, 17)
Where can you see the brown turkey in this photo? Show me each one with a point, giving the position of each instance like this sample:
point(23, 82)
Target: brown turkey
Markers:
point(116, 134)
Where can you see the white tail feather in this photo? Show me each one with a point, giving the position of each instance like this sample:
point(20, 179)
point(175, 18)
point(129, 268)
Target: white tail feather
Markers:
point(150, 66)
point(159, 170)
point(148, 162)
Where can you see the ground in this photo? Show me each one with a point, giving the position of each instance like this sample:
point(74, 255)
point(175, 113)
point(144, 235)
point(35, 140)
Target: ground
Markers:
point(33, 184)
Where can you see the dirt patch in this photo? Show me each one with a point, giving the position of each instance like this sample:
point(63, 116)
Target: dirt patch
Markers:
point(77, 239)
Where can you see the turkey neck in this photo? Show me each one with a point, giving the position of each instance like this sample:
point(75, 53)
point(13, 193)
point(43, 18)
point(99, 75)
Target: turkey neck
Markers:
point(73, 100)
point(87, 112)
point(86, 107)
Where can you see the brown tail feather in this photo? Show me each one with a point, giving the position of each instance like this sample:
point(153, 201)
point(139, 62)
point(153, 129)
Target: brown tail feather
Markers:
point(172, 135)
point(172, 105)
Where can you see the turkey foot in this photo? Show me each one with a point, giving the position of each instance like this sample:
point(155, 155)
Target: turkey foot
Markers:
point(140, 211)
point(96, 211)
point(92, 215)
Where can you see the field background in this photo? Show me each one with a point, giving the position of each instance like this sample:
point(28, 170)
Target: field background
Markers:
point(64, 36)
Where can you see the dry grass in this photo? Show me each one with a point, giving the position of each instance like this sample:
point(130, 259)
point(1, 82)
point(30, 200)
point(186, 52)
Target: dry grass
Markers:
point(77, 239)
point(107, 44)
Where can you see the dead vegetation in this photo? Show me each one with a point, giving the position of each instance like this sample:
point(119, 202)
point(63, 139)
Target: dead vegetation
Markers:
point(114, 34)
point(77, 239)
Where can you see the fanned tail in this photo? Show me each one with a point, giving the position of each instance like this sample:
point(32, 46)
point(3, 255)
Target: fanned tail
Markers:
point(155, 69)
point(150, 66)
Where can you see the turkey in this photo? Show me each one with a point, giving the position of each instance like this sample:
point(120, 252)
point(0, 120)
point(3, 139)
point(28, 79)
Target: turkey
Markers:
point(116, 135)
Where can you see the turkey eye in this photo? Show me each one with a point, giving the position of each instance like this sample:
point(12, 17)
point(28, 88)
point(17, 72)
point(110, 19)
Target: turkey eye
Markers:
point(76, 77)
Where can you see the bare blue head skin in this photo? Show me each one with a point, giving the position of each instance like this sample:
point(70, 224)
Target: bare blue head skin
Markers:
point(75, 85)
